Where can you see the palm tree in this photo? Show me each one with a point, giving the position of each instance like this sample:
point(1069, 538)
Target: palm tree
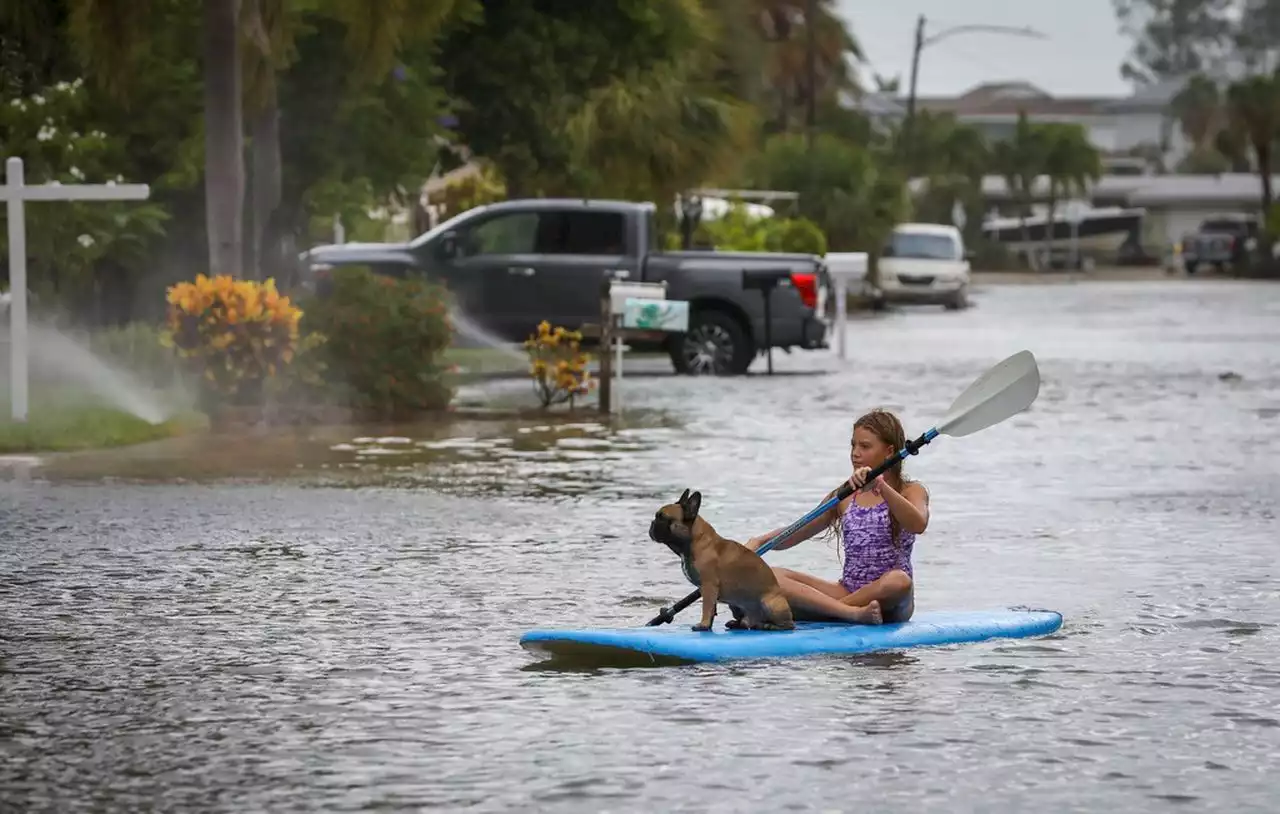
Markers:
point(1020, 160)
point(110, 33)
point(1253, 108)
point(953, 157)
point(1070, 162)
point(375, 32)
point(1198, 107)
point(650, 136)
point(783, 25)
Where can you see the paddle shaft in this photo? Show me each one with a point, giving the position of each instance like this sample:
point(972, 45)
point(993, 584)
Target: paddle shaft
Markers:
point(911, 448)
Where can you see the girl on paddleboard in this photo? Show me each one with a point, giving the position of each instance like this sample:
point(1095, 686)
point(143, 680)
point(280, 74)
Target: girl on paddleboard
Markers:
point(877, 528)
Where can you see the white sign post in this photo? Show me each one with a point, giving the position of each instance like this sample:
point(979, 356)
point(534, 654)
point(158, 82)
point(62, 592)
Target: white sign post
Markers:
point(641, 306)
point(16, 193)
point(847, 270)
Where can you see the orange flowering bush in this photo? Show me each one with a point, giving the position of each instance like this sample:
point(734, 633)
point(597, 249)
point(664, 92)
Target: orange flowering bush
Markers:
point(557, 365)
point(235, 333)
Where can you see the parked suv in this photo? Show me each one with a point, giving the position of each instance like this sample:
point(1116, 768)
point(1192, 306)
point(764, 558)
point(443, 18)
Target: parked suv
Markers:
point(924, 263)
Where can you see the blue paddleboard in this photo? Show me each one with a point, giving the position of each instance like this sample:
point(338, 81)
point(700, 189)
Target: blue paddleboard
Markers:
point(676, 642)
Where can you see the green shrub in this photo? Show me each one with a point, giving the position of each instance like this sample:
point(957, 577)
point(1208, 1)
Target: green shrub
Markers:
point(738, 231)
point(1272, 224)
point(795, 235)
point(384, 342)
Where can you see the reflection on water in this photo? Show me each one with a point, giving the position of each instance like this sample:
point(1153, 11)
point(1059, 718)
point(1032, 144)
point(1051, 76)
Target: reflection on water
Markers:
point(556, 454)
point(189, 635)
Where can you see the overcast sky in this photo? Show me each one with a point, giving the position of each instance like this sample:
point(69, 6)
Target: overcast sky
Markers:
point(1062, 65)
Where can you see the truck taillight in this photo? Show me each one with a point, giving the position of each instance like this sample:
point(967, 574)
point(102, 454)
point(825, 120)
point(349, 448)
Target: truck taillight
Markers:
point(806, 284)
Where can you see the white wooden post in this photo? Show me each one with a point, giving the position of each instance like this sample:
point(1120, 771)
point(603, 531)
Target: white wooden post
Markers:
point(845, 268)
point(641, 306)
point(16, 193)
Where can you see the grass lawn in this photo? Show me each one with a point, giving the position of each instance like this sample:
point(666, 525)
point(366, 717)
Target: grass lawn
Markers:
point(68, 424)
point(476, 363)
point(479, 361)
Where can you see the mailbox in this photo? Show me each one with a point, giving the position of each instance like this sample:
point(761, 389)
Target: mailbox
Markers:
point(765, 281)
point(656, 315)
point(620, 292)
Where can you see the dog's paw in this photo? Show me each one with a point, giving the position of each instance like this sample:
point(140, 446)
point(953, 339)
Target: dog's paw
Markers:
point(734, 624)
point(701, 628)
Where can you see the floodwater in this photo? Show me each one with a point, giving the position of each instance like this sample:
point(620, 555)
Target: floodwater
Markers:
point(346, 638)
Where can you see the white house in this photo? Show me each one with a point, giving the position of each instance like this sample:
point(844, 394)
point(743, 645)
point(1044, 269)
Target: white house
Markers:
point(1114, 124)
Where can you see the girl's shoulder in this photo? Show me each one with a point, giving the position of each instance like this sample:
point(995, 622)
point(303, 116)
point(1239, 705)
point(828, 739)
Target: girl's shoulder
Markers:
point(916, 486)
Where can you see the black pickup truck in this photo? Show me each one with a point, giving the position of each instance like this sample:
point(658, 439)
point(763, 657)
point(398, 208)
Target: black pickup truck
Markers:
point(513, 264)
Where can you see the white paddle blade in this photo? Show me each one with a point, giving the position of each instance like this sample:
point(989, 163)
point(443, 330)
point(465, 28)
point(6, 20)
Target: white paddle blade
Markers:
point(1003, 391)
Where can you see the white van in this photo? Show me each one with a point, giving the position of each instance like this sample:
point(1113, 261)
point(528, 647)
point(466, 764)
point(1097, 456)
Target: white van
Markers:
point(924, 263)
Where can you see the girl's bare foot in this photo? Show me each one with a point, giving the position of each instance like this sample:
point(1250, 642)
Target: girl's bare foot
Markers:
point(868, 614)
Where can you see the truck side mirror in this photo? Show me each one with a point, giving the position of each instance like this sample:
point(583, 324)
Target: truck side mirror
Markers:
point(448, 247)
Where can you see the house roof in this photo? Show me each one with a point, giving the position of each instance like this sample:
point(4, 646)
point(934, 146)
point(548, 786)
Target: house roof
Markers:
point(1011, 98)
point(1146, 190)
point(874, 104)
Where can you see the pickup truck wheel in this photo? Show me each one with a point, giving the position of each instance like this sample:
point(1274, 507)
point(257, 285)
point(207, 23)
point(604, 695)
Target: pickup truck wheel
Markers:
point(714, 345)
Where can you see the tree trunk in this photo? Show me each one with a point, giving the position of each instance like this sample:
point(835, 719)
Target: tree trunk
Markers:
point(1264, 175)
point(265, 133)
point(223, 137)
point(1048, 224)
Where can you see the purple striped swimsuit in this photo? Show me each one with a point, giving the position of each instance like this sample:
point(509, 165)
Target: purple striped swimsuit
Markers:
point(869, 552)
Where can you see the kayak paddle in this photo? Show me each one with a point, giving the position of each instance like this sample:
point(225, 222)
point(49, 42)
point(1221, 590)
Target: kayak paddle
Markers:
point(1002, 392)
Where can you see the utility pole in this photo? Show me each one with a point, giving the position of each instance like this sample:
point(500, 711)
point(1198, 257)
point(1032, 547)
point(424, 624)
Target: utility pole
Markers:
point(811, 69)
point(921, 42)
point(908, 125)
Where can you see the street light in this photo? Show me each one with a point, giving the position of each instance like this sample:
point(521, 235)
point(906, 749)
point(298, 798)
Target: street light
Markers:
point(922, 41)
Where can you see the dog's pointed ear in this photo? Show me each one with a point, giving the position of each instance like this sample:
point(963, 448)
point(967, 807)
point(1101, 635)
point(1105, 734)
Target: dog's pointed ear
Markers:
point(691, 507)
point(683, 498)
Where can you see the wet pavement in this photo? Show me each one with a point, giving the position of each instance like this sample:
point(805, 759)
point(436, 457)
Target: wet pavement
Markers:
point(328, 619)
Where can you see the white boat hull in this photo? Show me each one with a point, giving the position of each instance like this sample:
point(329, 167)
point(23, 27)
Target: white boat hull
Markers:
point(1099, 231)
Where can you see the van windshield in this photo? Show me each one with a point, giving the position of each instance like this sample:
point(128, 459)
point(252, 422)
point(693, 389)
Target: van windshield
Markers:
point(926, 247)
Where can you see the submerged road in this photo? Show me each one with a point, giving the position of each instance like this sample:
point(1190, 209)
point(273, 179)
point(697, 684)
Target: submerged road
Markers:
point(345, 637)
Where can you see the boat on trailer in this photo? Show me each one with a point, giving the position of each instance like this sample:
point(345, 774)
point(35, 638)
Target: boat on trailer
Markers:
point(1098, 230)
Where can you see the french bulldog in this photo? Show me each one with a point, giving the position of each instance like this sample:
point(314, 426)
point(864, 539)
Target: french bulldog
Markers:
point(725, 570)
